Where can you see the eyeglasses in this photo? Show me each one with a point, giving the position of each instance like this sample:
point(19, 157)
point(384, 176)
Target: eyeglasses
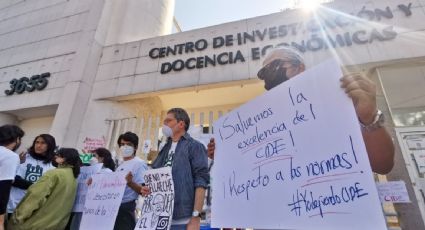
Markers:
point(273, 66)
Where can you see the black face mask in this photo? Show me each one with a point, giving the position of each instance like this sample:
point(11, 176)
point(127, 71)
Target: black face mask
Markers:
point(273, 74)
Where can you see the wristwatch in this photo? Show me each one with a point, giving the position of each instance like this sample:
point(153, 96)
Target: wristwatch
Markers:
point(195, 213)
point(378, 122)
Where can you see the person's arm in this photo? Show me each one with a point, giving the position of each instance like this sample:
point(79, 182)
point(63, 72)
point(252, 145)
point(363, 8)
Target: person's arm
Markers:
point(21, 183)
point(35, 197)
point(379, 145)
point(380, 149)
point(135, 181)
point(195, 222)
point(199, 164)
point(132, 184)
point(211, 148)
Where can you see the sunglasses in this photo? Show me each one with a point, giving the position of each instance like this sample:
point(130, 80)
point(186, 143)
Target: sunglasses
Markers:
point(274, 66)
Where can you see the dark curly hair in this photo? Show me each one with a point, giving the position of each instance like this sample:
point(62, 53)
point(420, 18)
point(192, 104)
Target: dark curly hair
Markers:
point(108, 162)
point(51, 147)
point(72, 158)
point(10, 134)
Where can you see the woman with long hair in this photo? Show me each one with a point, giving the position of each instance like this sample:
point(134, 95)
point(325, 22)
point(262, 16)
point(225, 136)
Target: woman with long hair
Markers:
point(48, 203)
point(37, 161)
point(100, 155)
point(103, 155)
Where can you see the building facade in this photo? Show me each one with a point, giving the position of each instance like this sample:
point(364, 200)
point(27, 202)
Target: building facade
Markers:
point(86, 71)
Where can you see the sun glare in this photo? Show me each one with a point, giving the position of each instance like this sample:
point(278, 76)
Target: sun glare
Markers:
point(309, 5)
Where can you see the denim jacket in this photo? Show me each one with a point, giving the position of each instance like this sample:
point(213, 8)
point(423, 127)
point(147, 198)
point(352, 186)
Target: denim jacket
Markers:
point(190, 170)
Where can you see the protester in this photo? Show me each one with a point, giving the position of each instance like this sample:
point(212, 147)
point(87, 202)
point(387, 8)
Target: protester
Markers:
point(128, 143)
point(188, 159)
point(285, 63)
point(10, 140)
point(104, 156)
point(48, 203)
point(36, 162)
point(100, 156)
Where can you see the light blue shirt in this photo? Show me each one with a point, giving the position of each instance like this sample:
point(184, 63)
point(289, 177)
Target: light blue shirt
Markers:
point(137, 167)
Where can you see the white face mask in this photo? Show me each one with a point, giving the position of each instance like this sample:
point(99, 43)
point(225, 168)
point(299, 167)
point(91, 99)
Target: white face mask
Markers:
point(127, 151)
point(93, 161)
point(167, 131)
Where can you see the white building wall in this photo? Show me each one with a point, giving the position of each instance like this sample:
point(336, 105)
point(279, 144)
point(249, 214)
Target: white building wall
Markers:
point(37, 37)
point(65, 38)
point(132, 20)
point(124, 72)
point(34, 127)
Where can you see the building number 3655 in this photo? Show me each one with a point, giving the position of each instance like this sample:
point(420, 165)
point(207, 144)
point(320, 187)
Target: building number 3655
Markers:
point(23, 84)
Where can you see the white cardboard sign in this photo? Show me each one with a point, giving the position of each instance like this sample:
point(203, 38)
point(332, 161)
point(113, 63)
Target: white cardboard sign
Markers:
point(294, 158)
point(147, 145)
point(393, 191)
point(85, 173)
point(157, 207)
point(103, 201)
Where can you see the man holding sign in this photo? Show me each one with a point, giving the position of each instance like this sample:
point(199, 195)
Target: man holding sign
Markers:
point(285, 63)
point(188, 159)
point(303, 179)
point(134, 167)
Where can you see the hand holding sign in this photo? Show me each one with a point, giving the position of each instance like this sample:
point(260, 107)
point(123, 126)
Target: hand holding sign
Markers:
point(157, 207)
point(301, 160)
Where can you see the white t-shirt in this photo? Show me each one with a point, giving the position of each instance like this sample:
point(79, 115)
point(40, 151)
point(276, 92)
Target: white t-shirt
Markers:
point(170, 156)
point(31, 170)
point(105, 170)
point(9, 162)
point(137, 166)
point(169, 163)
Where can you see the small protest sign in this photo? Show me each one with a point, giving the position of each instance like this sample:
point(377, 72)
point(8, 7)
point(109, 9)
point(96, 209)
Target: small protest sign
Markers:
point(86, 172)
point(393, 191)
point(157, 208)
point(103, 201)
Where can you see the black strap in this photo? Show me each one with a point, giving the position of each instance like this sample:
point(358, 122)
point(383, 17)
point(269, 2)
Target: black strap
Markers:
point(21, 183)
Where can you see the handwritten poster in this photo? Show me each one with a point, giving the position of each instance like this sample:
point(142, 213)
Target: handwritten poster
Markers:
point(85, 173)
point(103, 201)
point(294, 158)
point(393, 191)
point(91, 144)
point(157, 208)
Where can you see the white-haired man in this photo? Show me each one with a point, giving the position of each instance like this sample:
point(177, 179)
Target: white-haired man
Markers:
point(284, 63)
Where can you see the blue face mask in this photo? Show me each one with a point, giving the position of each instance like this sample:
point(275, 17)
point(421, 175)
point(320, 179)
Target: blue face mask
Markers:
point(127, 151)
